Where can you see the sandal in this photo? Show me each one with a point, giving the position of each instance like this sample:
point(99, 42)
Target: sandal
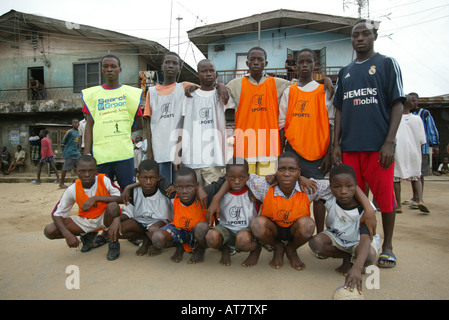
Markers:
point(386, 257)
point(99, 241)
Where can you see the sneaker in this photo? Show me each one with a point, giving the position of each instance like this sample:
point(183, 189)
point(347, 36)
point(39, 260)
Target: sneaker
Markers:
point(87, 240)
point(113, 251)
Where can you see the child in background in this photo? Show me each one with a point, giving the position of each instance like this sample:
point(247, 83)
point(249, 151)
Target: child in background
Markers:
point(97, 199)
point(46, 156)
point(409, 139)
point(444, 166)
point(346, 236)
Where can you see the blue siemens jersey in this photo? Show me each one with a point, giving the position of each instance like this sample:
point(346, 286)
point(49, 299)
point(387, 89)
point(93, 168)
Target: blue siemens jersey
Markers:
point(366, 92)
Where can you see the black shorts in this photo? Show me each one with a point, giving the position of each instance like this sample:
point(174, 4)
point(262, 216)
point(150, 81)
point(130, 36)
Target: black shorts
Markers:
point(284, 234)
point(309, 169)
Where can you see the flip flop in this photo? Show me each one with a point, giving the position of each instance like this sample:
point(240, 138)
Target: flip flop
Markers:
point(99, 241)
point(388, 258)
point(423, 208)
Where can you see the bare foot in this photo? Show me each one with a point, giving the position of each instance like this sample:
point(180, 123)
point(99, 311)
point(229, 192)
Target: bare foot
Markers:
point(225, 256)
point(177, 257)
point(295, 262)
point(278, 256)
point(253, 257)
point(198, 256)
point(344, 268)
point(143, 248)
point(153, 251)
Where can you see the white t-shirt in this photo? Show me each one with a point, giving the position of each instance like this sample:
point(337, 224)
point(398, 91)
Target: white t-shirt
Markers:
point(148, 210)
point(166, 112)
point(204, 142)
point(82, 129)
point(343, 223)
point(409, 139)
point(68, 198)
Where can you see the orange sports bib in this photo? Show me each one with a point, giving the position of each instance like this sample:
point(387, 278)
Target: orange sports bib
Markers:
point(256, 121)
point(187, 217)
point(284, 212)
point(81, 197)
point(307, 122)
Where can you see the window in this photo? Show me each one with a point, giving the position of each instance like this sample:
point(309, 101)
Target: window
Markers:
point(86, 75)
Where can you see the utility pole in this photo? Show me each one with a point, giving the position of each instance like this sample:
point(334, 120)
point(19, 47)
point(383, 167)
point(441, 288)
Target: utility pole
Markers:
point(179, 28)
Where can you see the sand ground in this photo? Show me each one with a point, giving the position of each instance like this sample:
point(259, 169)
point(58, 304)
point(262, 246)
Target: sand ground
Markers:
point(33, 267)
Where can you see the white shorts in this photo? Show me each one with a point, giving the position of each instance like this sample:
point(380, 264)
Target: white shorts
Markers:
point(89, 225)
point(336, 242)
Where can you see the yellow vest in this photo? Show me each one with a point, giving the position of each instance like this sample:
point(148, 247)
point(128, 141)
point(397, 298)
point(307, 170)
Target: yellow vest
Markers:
point(113, 112)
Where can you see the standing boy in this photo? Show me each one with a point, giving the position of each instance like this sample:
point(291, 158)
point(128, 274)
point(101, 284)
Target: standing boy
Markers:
point(431, 147)
point(407, 157)
point(256, 97)
point(368, 101)
point(304, 116)
point(97, 199)
point(163, 112)
point(113, 110)
point(204, 142)
point(46, 156)
point(70, 142)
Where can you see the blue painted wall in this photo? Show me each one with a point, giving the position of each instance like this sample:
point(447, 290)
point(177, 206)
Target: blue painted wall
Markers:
point(13, 70)
point(277, 41)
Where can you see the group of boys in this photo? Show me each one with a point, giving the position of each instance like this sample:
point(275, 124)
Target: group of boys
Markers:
point(264, 197)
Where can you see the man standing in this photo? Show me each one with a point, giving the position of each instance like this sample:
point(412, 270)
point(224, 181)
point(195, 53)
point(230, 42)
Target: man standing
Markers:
point(70, 153)
point(369, 102)
point(431, 146)
point(113, 109)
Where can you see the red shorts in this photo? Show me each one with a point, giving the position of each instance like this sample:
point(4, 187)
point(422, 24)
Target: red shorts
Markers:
point(369, 171)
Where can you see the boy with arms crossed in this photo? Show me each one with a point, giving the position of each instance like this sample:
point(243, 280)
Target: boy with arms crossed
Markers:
point(97, 199)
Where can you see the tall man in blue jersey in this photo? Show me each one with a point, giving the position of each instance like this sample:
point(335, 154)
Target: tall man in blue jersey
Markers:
point(369, 101)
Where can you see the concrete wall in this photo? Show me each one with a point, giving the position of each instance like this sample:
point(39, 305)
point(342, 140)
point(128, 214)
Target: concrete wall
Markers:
point(57, 53)
point(277, 42)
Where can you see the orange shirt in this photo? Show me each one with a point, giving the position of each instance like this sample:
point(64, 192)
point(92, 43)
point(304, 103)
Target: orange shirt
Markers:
point(81, 197)
point(256, 120)
point(284, 212)
point(307, 122)
point(187, 217)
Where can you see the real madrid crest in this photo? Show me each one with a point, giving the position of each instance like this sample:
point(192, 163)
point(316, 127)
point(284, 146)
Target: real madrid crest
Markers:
point(372, 70)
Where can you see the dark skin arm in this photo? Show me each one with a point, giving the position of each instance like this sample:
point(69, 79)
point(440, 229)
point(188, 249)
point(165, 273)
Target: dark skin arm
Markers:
point(88, 135)
point(386, 153)
point(354, 276)
point(71, 240)
point(336, 149)
point(150, 154)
